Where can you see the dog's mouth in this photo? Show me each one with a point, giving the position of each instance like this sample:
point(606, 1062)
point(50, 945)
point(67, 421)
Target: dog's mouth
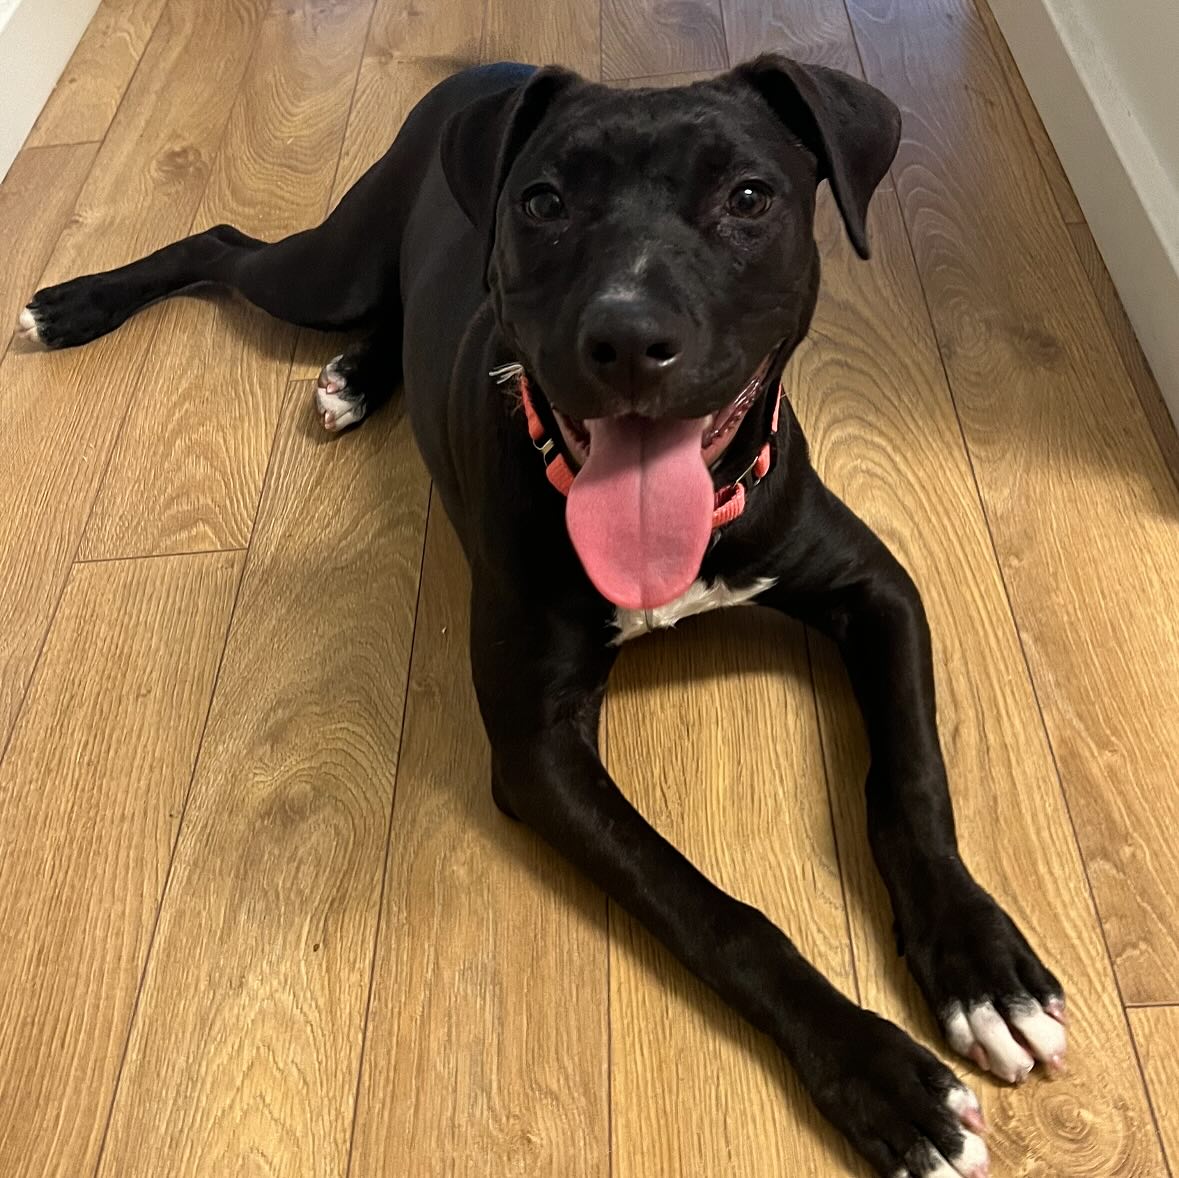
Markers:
point(640, 510)
point(719, 428)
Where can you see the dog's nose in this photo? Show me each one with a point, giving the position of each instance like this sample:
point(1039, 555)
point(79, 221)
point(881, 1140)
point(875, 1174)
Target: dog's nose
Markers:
point(630, 344)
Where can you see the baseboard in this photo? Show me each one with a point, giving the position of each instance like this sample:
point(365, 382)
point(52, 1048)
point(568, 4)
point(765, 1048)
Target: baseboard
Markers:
point(1129, 198)
point(36, 40)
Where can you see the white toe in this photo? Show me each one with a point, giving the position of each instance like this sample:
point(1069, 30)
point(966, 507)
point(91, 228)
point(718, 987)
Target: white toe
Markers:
point(28, 326)
point(958, 1033)
point(972, 1157)
point(330, 372)
point(1043, 1034)
point(941, 1168)
point(961, 1100)
point(1008, 1060)
point(338, 412)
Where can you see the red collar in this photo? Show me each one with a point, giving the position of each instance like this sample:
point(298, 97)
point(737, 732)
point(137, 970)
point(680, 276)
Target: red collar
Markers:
point(730, 500)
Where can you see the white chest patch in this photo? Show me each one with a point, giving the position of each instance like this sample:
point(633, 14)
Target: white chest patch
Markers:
point(699, 598)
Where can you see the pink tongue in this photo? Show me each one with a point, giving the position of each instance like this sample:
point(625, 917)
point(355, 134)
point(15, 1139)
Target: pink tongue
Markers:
point(640, 509)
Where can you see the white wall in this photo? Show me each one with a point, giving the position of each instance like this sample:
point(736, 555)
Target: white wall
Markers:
point(1104, 78)
point(1140, 40)
point(36, 40)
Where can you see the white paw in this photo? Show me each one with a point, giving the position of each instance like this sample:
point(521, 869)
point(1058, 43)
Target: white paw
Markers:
point(971, 1160)
point(337, 407)
point(26, 326)
point(982, 1034)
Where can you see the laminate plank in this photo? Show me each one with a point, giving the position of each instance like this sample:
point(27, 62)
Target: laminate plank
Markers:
point(243, 1057)
point(155, 162)
point(487, 1040)
point(545, 32)
point(36, 201)
point(643, 37)
point(1126, 341)
point(91, 792)
point(88, 93)
point(871, 395)
point(1156, 1030)
point(1084, 514)
point(1045, 152)
point(713, 734)
point(187, 474)
point(63, 409)
point(450, 30)
point(815, 31)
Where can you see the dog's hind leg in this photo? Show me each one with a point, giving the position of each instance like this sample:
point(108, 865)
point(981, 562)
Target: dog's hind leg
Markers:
point(339, 276)
point(342, 275)
point(303, 279)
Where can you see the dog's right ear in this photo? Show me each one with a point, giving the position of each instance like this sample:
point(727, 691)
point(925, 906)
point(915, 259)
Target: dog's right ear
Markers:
point(481, 142)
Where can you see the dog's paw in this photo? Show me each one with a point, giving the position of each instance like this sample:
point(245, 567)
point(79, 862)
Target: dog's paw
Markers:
point(338, 404)
point(27, 327)
point(997, 1003)
point(1007, 1036)
point(73, 313)
point(904, 1110)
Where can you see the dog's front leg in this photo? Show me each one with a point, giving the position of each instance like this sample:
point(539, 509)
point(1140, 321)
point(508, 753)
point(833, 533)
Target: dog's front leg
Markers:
point(540, 677)
point(996, 1001)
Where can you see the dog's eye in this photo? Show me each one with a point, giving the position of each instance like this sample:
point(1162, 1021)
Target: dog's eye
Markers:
point(544, 203)
point(750, 198)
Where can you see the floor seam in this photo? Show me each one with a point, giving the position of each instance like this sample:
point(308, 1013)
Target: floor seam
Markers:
point(85, 560)
point(380, 918)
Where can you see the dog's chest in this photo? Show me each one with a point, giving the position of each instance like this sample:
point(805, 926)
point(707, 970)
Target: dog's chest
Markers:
point(700, 597)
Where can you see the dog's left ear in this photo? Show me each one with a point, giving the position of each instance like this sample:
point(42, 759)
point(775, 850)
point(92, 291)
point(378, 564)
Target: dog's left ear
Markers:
point(852, 128)
point(481, 142)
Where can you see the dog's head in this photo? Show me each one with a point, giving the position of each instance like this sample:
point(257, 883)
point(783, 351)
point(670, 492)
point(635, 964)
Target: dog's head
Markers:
point(651, 258)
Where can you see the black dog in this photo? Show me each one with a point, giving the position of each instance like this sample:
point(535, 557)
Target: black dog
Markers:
point(636, 267)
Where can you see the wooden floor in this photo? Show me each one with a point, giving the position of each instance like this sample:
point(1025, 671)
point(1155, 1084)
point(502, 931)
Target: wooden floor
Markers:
point(258, 915)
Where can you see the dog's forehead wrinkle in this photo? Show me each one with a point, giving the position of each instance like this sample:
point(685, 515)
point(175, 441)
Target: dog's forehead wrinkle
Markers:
point(627, 135)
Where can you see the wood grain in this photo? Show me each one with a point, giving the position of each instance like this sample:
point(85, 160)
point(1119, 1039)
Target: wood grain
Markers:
point(1129, 349)
point(1084, 514)
point(1054, 172)
point(487, 1039)
point(545, 32)
point(153, 166)
point(408, 29)
point(244, 1054)
point(644, 37)
point(36, 200)
point(88, 93)
point(809, 30)
point(871, 395)
point(662, 81)
point(187, 472)
point(1156, 1030)
point(63, 409)
point(694, 1090)
point(387, 89)
point(91, 792)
